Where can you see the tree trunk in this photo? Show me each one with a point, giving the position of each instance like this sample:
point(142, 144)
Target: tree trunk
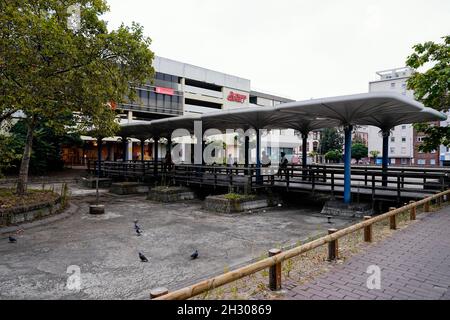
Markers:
point(25, 164)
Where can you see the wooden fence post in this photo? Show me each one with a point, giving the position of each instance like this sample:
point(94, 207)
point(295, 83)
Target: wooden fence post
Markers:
point(158, 292)
point(275, 272)
point(393, 220)
point(368, 231)
point(333, 249)
point(439, 201)
point(412, 212)
point(426, 206)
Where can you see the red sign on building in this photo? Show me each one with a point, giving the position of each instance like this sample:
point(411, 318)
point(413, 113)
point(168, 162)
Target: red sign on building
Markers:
point(236, 97)
point(163, 90)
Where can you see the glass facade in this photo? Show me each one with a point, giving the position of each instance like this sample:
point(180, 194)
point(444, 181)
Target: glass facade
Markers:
point(149, 101)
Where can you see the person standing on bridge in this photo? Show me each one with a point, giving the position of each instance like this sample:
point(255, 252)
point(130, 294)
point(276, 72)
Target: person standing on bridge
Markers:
point(283, 165)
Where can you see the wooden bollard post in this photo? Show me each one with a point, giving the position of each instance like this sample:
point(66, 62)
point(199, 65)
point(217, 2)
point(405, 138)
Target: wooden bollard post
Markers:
point(439, 201)
point(158, 292)
point(393, 219)
point(333, 249)
point(275, 272)
point(426, 206)
point(412, 212)
point(368, 231)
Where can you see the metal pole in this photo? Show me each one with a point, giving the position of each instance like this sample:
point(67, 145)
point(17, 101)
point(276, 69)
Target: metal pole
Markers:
point(142, 149)
point(347, 165)
point(125, 148)
point(155, 157)
point(304, 155)
point(258, 156)
point(385, 160)
point(246, 147)
point(99, 155)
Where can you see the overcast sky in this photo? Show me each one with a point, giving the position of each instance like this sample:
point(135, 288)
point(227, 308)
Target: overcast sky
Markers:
point(299, 49)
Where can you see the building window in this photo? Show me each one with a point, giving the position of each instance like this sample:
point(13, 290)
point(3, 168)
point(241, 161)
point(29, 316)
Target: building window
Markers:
point(404, 161)
point(392, 139)
point(392, 150)
point(421, 161)
point(392, 84)
point(403, 150)
point(403, 127)
point(432, 162)
point(403, 139)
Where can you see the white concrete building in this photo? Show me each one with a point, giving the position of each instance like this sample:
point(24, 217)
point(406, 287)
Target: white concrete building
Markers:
point(401, 143)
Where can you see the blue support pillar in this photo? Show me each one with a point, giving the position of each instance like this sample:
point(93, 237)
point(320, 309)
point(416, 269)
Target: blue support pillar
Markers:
point(347, 165)
point(385, 160)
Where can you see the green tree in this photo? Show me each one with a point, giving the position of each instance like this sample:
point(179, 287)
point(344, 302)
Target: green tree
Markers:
point(66, 73)
point(432, 88)
point(374, 154)
point(331, 139)
point(359, 151)
point(333, 155)
point(47, 147)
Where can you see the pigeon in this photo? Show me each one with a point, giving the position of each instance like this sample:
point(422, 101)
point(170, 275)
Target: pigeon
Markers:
point(142, 257)
point(12, 239)
point(136, 226)
point(138, 231)
point(194, 255)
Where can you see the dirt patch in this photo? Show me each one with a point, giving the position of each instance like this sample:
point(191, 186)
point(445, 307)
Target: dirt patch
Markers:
point(10, 200)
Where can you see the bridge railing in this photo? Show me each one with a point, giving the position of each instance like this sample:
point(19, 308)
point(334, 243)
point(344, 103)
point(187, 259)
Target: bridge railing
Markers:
point(316, 176)
point(277, 256)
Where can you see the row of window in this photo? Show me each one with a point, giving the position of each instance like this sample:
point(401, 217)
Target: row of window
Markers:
point(393, 139)
point(424, 161)
point(150, 98)
point(167, 77)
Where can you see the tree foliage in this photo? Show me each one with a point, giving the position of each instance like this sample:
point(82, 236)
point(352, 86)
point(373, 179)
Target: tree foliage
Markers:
point(432, 88)
point(331, 139)
point(374, 153)
point(51, 69)
point(47, 147)
point(333, 155)
point(359, 151)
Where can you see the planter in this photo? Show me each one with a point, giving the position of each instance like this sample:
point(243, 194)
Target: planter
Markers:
point(124, 188)
point(30, 212)
point(221, 203)
point(91, 182)
point(170, 194)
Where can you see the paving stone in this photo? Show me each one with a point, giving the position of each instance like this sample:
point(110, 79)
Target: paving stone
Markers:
point(414, 262)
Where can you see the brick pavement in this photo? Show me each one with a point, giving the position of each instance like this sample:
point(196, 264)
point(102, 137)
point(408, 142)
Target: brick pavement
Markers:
point(414, 264)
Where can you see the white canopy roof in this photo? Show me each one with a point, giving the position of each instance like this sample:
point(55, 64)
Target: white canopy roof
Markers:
point(382, 109)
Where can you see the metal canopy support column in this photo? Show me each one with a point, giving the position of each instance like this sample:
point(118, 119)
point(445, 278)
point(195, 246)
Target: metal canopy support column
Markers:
point(99, 155)
point(246, 147)
point(385, 160)
point(124, 148)
point(155, 156)
point(142, 148)
point(347, 165)
point(258, 156)
point(304, 155)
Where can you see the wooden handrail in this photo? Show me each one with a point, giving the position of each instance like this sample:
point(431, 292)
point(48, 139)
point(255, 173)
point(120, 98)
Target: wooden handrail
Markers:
point(212, 283)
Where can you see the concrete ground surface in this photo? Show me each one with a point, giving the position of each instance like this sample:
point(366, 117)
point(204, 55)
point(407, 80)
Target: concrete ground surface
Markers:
point(106, 247)
point(414, 264)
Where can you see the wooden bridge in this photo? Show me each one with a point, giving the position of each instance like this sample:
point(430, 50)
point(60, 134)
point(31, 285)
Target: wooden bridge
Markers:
point(394, 184)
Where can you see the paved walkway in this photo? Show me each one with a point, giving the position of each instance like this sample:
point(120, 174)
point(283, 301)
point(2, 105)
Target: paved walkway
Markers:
point(414, 264)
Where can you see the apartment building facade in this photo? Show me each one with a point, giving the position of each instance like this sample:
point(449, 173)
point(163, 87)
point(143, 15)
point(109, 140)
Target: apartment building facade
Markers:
point(404, 139)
